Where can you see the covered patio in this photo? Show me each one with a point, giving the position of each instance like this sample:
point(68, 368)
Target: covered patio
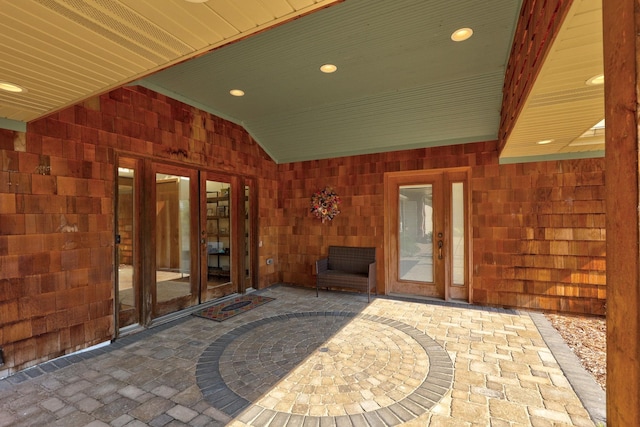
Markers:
point(329, 361)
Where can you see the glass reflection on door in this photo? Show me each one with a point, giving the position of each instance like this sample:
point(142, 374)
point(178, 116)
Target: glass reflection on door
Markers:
point(218, 241)
point(128, 284)
point(457, 233)
point(173, 288)
point(415, 241)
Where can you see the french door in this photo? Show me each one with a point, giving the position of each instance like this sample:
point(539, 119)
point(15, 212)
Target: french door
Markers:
point(174, 239)
point(427, 233)
point(128, 288)
point(219, 227)
point(183, 237)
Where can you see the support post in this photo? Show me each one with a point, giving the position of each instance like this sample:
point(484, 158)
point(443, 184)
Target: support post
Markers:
point(621, 29)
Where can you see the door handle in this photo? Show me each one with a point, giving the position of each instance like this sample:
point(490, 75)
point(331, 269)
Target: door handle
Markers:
point(439, 249)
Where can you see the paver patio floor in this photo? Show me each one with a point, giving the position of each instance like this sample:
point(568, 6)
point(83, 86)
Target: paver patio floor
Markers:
point(328, 361)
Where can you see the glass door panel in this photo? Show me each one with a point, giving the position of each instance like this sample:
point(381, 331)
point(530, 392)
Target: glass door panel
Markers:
point(458, 234)
point(415, 225)
point(127, 278)
point(174, 287)
point(216, 238)
point(416, 218)
point(427, 233)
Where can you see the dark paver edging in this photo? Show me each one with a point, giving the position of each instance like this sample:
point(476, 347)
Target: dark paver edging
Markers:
point(588, 390)
point(69, 359)
point(437, 383)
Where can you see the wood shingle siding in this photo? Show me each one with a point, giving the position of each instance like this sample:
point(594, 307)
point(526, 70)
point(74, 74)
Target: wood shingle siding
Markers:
point(537, 228)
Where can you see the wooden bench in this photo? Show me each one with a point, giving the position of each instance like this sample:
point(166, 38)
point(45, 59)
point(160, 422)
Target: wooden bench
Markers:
point(348, 267)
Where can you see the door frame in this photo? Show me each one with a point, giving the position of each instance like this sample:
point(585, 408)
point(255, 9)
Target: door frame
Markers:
point(236, 218)
point(159, 309)
point(145, 231)
point(135, 163)
point(252, 228)
point(442, 270)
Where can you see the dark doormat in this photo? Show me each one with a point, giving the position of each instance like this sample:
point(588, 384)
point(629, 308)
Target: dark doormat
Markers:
point(230, 308)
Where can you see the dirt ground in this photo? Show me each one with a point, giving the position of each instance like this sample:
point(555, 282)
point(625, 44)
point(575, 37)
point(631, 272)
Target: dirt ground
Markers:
point(586, 336)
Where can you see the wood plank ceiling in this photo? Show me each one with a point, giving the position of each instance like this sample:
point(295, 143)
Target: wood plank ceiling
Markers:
point(63, 51)
point(563, 104)
point(401, 82)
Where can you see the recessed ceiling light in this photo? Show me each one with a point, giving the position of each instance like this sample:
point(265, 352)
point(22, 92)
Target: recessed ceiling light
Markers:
point(197, 1)
point(544, 141)
point(595, 80)
point(236, 92)
point(328, 68)
point(11, 87)
point(462, 34)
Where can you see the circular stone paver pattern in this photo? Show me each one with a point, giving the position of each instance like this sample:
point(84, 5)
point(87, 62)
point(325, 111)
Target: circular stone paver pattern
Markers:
point(288, 368)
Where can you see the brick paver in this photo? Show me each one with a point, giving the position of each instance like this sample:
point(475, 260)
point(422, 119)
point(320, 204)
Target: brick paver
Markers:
point(306, 361)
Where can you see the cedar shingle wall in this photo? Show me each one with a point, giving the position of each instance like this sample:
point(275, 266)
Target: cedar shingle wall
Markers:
point(539, 235)
point(56, 228)
point(538, 228)
point(359, 181)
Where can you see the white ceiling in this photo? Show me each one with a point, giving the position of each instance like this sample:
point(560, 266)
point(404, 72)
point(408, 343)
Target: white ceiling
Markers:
point(562, 106)
point(401, 83)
